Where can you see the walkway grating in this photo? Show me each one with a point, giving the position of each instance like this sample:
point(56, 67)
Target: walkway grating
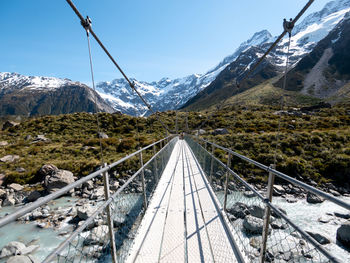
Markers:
point(183, 222)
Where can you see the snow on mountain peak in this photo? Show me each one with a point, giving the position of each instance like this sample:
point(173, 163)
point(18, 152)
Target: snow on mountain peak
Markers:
point(8, 79)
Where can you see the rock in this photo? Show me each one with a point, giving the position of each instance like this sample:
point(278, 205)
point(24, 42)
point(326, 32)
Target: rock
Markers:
point(88, 185)
point(249, 194)
point(9, 201)
point(9, 158)
point(29, 249)
point(256, 211)
point(343, 234)
point(48, 169)
point(255, 242)
point(98, 193)
point(313, 199)
point(9, 124)
point(231, 217)
point(291, 199)
point(96, 235)
point(324, 219)
point(102, 135)
point(33, 196)
point(278, 190)
point(23, 259)
point(253, 225)
point(278, 225)
point(340, 215)
point(20, 170)
point(40, 138)
point(15, 187)
point(58, 180)
point(200, 132)
point(41, 225)
point(85, 212)
point(2, 194)
point(274, 214)
point(239, 210)
point(333, 192)
point(319, 238)
point(220, 131)
point(36, 215)
point(114, 186)
point(11, 249)
point(3, 143)
point(28, 137)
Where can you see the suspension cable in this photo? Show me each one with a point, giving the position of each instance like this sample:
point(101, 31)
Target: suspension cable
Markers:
point(131, 84)
point(252, 69)
point(86, 24)
point(282, 102)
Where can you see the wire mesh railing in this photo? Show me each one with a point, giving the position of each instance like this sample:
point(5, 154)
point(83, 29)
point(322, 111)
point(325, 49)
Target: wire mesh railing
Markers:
point(91, 242)
point(111, 217)
point(261, 229)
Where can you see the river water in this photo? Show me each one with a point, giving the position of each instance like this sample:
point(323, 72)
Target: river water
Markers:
point(302, 213)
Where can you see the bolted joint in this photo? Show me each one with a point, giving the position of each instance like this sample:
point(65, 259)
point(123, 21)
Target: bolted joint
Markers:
point(86, 23)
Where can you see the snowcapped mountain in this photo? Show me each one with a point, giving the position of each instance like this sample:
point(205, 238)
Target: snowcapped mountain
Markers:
point(305, 37)
point(170, 94)
point(45, 95)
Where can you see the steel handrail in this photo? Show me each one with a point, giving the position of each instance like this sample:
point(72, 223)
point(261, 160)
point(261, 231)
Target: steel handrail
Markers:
point(41, 201)
point(274, 208)
point(283, 176)
point(59, 249)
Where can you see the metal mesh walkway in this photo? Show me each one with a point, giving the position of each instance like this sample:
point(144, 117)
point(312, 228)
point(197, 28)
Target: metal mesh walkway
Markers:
point(183, 222)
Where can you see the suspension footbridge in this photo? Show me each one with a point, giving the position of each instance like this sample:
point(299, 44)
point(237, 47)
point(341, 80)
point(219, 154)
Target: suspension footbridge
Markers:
point(191, 206)
point(188, 210)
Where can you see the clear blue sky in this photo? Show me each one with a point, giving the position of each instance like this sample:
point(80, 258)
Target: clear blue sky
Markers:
point(150, 39)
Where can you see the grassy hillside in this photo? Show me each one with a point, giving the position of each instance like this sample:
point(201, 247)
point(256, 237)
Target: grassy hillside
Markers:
point(311, 145)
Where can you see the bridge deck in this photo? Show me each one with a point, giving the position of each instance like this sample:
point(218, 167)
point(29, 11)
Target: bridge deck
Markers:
point(183, 222)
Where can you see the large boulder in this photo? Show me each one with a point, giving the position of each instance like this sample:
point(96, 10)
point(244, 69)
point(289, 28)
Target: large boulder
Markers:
point(253, 225)
point(15, 187)
point(33, 196)
point(9, 158)
point(23, 259)
point(11, 249)
point(343, 234)
point(84, 212)
point(58, 180)
point(47, 169)
point(319, 238)
point(9, 201)
point(97, 235)
point(239, 210)
point(2, 194)
point(257, 211)
point(313, 199)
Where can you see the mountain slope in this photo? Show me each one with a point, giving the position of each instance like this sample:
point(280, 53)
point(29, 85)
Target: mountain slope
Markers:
point(327, 68)
point(28, 95)
point(305, 37)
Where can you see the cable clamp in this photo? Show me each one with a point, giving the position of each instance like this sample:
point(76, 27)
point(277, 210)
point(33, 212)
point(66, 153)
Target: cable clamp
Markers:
point(86, 23)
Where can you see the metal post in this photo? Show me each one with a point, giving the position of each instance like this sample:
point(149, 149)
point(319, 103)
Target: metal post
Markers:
point(205, 159)
point(211, 164)
point(109, 218)
point(267, 215)
point(187, 123)
point(143, 182)
point(176, 128)
point(155, 163)
point(226, 182)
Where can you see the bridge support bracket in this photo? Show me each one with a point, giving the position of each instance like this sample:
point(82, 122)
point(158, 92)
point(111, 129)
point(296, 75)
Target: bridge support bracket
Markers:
point(226, 182)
